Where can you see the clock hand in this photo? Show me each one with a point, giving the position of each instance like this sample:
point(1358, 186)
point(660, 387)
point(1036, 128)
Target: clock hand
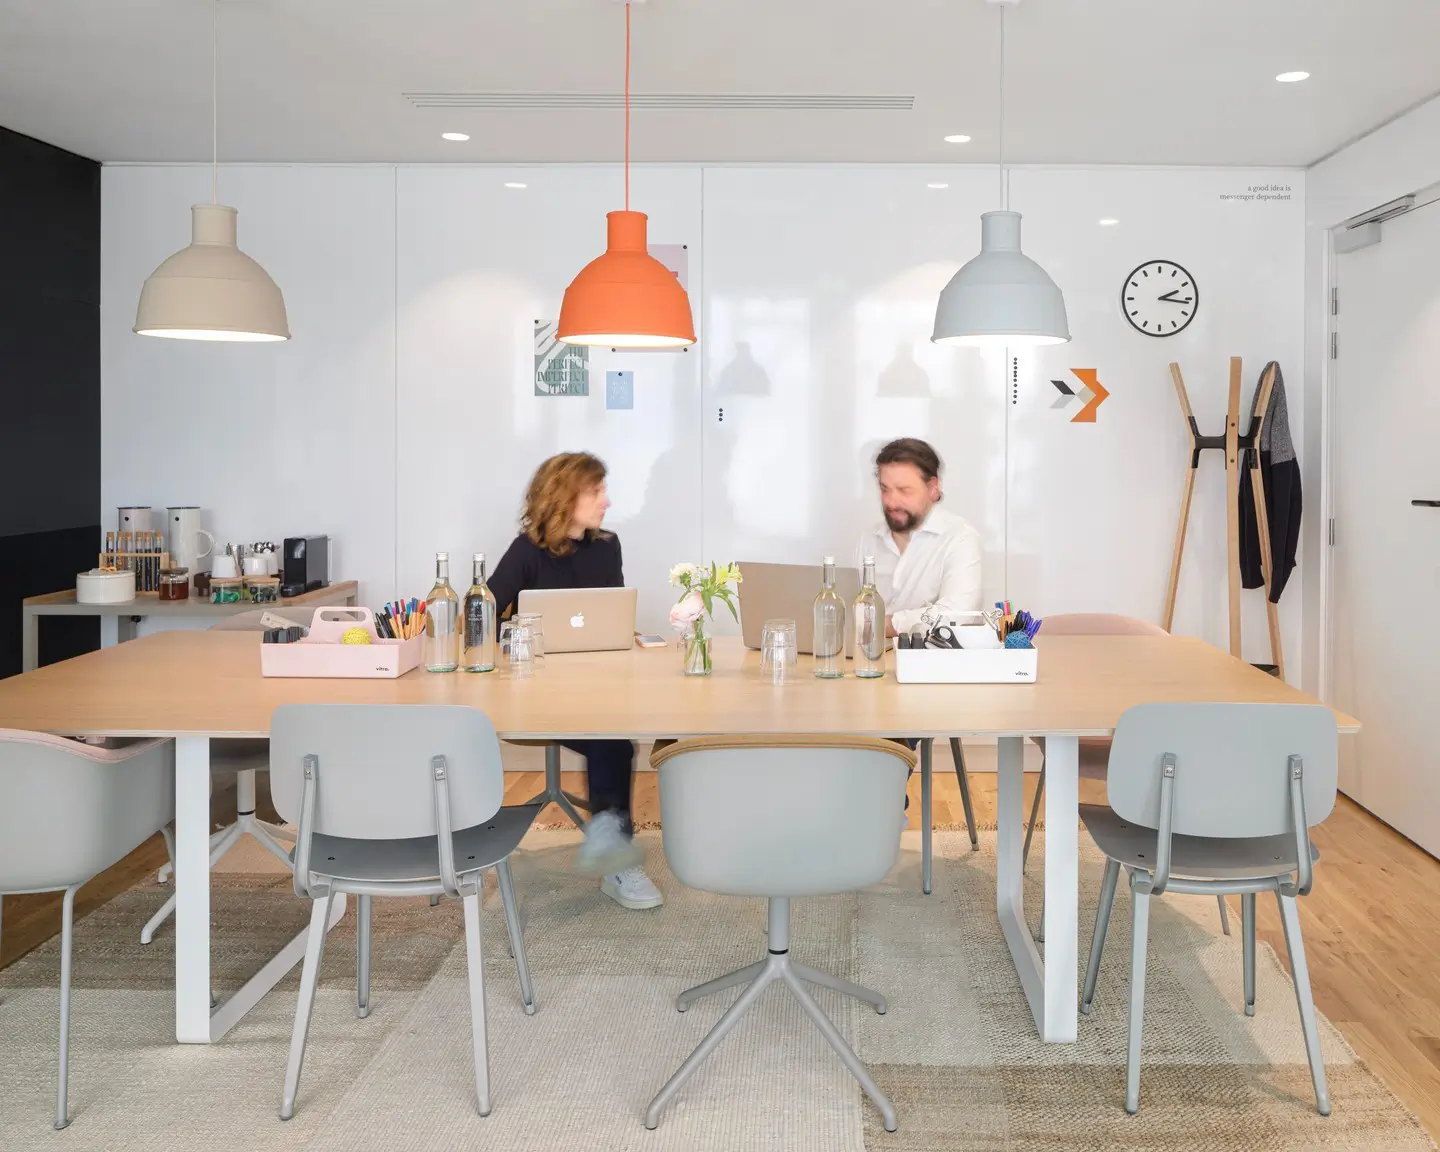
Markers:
point(1171, 296)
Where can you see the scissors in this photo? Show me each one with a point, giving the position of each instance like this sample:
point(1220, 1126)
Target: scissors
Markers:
point(942, 636)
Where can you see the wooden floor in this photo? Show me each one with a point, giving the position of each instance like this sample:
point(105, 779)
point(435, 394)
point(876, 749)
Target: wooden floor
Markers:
point(1372, 923)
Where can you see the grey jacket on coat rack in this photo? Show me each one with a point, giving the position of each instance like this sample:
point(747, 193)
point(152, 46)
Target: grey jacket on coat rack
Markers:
point(1280, 471)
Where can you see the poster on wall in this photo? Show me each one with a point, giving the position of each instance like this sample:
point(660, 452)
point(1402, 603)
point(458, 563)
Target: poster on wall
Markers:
point(560, 369)
point(620, 391)
point(675, 257)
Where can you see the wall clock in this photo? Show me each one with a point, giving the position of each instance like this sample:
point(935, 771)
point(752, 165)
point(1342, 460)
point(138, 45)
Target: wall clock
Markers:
point(1159, 298)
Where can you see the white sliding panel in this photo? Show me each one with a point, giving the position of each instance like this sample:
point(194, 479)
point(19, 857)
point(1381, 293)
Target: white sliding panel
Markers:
point(1093, 506)
point(479, 264)
point(820, 296)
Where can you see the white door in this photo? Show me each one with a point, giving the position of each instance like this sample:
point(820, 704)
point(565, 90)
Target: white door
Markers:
point(1385, 621)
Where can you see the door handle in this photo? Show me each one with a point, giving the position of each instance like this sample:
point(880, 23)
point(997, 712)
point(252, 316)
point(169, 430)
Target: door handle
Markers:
point(1426, 503)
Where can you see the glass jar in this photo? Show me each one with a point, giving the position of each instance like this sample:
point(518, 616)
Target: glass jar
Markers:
point(226, 589)
point(174, 584)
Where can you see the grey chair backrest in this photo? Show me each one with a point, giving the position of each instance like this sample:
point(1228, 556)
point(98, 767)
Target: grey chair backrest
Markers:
point(782, 816)
point(1233, 766)
point(69, 810)
point(375, 767)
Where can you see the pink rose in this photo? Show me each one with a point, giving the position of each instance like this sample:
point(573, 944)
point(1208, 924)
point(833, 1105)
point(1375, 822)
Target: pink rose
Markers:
point(685, 613)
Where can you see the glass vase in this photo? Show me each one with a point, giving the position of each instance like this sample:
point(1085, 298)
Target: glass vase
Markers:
point(695, 648)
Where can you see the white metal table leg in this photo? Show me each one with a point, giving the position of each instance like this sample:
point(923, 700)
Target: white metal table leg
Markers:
point(196, 1020)
point(192, 889)
point(1049, 984)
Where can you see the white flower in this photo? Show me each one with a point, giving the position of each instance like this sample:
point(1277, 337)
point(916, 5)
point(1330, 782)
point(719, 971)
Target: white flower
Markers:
point(690, 608)
point(682, 574)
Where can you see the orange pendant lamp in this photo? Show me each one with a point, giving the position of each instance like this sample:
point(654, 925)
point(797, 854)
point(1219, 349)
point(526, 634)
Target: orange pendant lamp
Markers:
point(626, 298)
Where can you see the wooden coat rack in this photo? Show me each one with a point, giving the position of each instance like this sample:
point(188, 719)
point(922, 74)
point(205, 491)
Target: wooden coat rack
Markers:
point(1233, 444)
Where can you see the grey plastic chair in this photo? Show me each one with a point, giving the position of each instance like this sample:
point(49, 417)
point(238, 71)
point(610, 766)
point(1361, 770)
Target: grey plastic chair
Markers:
point(1214, 799)
point(830, 822)
point(244, 758)
point(1094, 751)
point(68, 811)
point(395, 800)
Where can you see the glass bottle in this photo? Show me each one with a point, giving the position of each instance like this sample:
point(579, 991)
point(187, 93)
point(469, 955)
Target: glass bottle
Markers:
point(442, 608)
point(829, 621)
point(478, 652)
point(869, 626)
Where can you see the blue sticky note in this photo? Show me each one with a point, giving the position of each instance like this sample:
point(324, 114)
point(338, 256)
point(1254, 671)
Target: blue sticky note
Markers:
point(620, 390)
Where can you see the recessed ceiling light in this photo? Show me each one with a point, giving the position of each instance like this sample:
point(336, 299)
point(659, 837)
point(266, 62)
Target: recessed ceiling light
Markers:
point(957, 139)
point(515, 184)
point(1109, 222)
point(937, 184)
point(456, 136)
point(1292, 77)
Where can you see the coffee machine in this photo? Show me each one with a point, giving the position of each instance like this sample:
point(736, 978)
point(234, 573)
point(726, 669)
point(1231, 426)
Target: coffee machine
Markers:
point(304, 564)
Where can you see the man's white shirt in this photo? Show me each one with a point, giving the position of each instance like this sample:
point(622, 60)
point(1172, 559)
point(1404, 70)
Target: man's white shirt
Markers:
point(938, 573)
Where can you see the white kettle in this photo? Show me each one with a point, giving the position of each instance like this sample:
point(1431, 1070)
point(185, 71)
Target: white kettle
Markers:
point(183, 538)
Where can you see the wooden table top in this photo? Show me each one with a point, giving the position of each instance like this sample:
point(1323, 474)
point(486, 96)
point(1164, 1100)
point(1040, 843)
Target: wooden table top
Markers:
point(209, 683)
point(65, 604)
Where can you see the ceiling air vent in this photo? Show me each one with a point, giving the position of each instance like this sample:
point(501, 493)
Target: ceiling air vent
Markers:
point(665, 101)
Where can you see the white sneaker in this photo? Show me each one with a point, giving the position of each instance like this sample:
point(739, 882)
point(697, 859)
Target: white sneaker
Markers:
point(632, 889)
point(606, 848)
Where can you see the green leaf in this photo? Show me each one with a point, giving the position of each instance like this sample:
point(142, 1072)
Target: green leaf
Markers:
point(709, 602)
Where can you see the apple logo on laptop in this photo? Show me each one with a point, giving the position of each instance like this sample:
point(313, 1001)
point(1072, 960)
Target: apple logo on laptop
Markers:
point(577, 620)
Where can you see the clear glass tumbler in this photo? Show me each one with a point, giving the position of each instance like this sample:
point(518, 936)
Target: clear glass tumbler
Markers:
point(779, 651)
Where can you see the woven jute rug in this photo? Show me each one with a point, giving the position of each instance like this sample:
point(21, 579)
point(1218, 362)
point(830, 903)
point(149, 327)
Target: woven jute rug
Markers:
point(957, 1051)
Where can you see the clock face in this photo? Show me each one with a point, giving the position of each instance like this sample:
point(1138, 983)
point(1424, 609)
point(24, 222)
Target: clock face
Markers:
point(1159, 298)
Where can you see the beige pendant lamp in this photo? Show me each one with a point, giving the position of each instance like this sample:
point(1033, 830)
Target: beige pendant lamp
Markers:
point(210, 290)
point(626, 298)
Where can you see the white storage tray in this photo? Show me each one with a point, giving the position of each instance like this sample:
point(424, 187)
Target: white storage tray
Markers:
point(966, 665)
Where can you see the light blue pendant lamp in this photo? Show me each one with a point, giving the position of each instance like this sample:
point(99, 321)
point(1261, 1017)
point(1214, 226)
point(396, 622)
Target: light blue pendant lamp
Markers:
point(1001, 298)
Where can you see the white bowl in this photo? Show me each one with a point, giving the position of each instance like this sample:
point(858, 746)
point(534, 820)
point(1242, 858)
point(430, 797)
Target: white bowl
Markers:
point(104, 587)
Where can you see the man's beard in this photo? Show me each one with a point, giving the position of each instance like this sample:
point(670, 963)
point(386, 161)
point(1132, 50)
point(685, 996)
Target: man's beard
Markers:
point(902, 521)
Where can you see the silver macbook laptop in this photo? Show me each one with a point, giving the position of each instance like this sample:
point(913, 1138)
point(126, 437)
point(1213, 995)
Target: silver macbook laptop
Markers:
point(583, 619)
point(787, 592)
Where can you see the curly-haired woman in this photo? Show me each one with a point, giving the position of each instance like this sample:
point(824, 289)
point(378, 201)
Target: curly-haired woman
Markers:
point(562, 544)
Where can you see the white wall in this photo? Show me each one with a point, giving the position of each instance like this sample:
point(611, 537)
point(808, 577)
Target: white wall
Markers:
point(1401, 157)
point(478, 263)
point(401, 419)
point(819, 300)
point(272, 440)
point(1093, 507)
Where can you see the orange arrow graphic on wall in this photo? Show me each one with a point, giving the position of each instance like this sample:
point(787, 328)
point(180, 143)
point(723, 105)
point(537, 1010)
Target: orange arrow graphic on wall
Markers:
point(1090, 378)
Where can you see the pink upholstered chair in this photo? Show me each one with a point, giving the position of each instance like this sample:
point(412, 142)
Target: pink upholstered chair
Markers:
point(1094, 750)
point(69, 811)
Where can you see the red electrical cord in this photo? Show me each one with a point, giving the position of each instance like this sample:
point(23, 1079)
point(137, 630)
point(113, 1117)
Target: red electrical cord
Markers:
point(627, 106)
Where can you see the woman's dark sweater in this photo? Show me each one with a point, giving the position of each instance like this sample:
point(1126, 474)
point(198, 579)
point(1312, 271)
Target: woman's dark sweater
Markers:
point(595, 563)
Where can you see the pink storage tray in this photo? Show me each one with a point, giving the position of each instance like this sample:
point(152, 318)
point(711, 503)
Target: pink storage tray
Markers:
point(321, 654)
